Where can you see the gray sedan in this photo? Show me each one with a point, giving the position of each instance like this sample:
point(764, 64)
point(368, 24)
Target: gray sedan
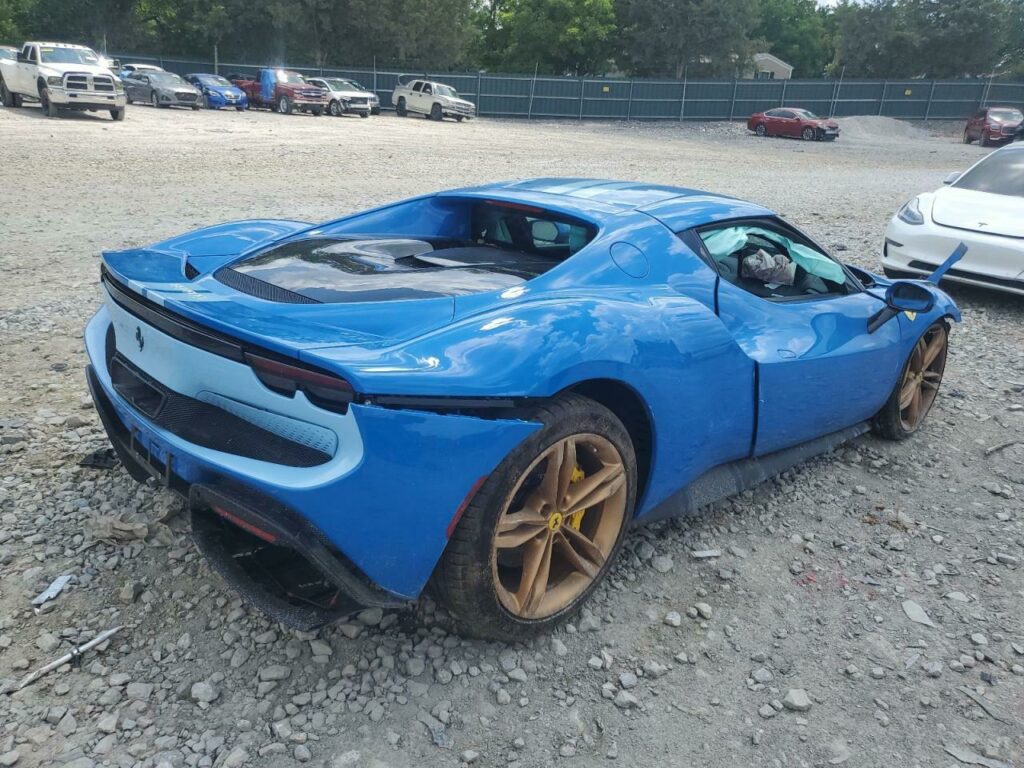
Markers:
point(161, 89)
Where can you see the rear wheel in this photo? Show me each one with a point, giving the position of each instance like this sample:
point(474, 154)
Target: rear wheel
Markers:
point(154, 99)
point(9, 99)
point(435, 112)
point(808, 134)
point(400, 108)
point(544, 528)
point(967, 137)
point(760, 130)
point(918, 387)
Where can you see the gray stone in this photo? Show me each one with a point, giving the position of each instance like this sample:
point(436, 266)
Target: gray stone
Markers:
point(275, 672)
point(320, 648)
point(469, 756)
point(762, 675)
point(302, 753)
point(797, 700)
point(204, 692)
point(415, 666)
point(628, 680)
point(673, 619)
point(704, 610)
point(626, 700)
point(662, 563)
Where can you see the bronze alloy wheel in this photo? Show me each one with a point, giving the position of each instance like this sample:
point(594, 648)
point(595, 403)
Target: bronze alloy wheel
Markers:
point(922, 377)
point(559, 526)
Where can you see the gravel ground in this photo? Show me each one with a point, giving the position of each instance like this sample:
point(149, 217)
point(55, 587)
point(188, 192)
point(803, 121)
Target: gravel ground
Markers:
point(794, 645)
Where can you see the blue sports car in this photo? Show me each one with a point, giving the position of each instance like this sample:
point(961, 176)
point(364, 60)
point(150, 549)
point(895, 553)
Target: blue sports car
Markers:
point(482, 389)
point(218, 92)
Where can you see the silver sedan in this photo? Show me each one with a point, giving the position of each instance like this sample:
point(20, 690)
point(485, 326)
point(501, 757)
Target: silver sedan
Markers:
point(161, 89)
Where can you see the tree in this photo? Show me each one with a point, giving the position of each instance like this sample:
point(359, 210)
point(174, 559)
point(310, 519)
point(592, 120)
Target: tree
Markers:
point(670, 37)
point(555, 36)
point(875, 39)
point(959, 37)
point(796, 32)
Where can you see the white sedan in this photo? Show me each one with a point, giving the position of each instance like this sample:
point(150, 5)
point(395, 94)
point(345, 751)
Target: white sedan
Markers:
point(982, 207)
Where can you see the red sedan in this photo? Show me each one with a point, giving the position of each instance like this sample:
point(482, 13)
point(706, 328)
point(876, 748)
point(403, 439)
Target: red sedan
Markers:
point(796, 123)
point(993, 125)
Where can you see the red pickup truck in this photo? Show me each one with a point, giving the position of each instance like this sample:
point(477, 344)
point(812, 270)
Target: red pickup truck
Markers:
point(283, 90)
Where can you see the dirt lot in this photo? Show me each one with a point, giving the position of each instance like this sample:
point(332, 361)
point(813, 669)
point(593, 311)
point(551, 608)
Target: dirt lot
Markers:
point(806, 594)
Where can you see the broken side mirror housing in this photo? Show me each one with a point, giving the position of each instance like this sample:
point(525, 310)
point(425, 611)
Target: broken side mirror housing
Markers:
point(908, 296)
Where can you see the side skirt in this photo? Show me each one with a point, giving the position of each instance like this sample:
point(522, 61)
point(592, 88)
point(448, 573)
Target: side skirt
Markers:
point(730, 479)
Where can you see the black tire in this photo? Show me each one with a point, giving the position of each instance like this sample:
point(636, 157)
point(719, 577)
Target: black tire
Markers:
point(128, 97)
point(458, 118)
point(888, 422)
point(967, 137)
point(808, 134)
point(400, 108)
point(117, 115)
point(284, 106)
point(154, 100)
point(435, 112)
point(196, 107)
point(761, 130)
point(240, 109)
point(334, 108)
point(49, 108)
point(464, 580)
point(205, 103)
point(8, 98)
point(317, 111)
point(364, 114)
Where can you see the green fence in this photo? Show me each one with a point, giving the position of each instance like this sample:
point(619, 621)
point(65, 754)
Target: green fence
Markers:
point(544, 97)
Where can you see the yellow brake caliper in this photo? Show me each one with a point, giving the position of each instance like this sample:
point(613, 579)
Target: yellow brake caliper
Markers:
point(576, 518)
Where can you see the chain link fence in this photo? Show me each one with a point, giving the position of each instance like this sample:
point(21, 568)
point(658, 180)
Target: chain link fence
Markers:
point(546, 97)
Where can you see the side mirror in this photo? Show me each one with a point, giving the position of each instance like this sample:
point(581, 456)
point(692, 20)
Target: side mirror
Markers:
point(951, 178)
point(544, 231)
point(907, 296)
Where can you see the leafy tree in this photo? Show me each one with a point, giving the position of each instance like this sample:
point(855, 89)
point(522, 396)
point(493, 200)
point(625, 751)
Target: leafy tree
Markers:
point(670, 37)
point(959, 37)
point(555, 36)
point(797, 32)
point(875, 39)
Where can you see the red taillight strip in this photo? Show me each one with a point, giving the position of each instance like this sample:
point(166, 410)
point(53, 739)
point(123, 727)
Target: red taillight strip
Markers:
point(245, 525)
point(297, 373)
point(462, 507)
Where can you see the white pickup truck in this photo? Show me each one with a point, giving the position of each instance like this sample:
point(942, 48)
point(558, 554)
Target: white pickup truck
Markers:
point(61, 76)
point(428, 97)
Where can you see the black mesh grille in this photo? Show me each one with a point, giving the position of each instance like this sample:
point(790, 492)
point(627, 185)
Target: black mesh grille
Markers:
point(191, 273)
point(212, 427)
point(261, 290)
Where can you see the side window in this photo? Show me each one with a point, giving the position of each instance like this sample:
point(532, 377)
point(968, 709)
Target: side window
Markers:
point(418, 86)
point(773, 263)
point(786, 114)
point(772, 113)
point(427, 89)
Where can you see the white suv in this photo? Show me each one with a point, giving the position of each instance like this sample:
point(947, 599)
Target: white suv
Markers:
point(427, 97)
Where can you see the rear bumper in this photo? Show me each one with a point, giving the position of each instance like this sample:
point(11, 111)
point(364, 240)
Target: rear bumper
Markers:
point(382, 503)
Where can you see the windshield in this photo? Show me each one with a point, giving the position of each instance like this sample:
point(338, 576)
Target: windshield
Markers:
point(445, 90)
point(68, 56)
point(337, 84)
point(8, 54)
point(283, 76)
point(165, 78)
point(1001, 173)
point(1006, 115)
point(806, 113)
point(213, 80)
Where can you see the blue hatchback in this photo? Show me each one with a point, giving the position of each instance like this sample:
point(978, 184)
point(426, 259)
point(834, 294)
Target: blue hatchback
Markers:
point(218, 92)
point(483, 389)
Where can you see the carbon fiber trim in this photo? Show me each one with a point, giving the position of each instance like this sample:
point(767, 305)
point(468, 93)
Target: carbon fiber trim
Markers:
point(261, 290)
point(191, 273)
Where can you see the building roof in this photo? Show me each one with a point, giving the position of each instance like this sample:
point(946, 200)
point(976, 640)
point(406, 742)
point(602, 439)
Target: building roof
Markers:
point(760, 58)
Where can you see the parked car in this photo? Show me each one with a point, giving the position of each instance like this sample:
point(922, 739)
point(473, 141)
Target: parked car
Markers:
point(129, 69)
point(346, 97)
point(446, 389)
point(61, 77)
point(982, 207)
point(794, 123)
point(427, 97)
point(218, 92)
point(161, 89)
point(993, 125)
point(283, 90)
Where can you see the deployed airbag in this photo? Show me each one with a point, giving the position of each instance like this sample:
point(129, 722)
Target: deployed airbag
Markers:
point(724, 242)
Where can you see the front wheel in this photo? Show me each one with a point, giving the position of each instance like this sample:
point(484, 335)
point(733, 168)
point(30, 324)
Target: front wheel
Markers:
point(364, 114)
point(808, 134)
point(334, 108)
point(918, 387)
point(545, 527)
point(284, 106)
point(967, 137)
point(117, 114)
point(49, 108)
point(400, 108)
point(435, 112)
point(317, 111)
point(760, 130)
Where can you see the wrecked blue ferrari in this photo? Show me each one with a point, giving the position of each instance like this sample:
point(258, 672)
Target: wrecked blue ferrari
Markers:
point(482, 389)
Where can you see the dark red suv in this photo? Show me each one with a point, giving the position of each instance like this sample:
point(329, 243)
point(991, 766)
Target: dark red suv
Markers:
point(793, 122)
point(993, 125)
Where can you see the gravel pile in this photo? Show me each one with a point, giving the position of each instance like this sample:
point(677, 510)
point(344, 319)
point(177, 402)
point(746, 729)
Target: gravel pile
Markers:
point(864, 609)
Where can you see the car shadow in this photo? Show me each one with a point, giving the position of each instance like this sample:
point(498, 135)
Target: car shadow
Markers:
point(35, 112)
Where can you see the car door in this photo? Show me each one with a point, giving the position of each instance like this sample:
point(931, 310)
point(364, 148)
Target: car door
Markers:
point(26, 70)
point(788, 123)
point(427, 98)
point(771, 122)
point(818, 368)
